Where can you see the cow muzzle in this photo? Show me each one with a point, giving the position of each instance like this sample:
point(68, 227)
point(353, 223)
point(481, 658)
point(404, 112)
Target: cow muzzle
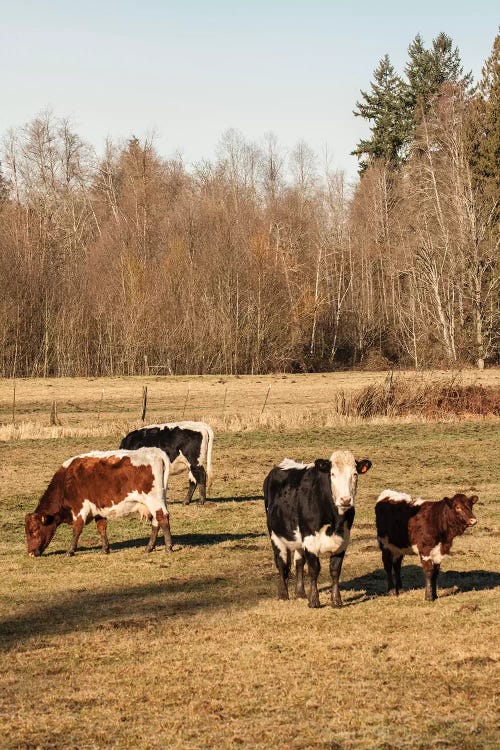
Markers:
point(35, 553)
point(345, 502)
point(472, 521)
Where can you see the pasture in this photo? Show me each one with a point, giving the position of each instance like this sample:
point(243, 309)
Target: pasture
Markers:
point(192, 649)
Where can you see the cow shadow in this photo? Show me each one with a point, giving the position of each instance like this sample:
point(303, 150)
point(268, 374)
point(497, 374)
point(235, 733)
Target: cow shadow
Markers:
point(128, 608)
point(183, 540)
point(233, 499)
point(375, 583)
point(212, 500)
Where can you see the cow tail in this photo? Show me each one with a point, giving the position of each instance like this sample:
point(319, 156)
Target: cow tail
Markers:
point(166, 474)
point(210, 433)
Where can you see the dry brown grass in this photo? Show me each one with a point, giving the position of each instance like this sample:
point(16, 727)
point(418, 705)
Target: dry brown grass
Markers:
point(100, 407)
point(192, 650)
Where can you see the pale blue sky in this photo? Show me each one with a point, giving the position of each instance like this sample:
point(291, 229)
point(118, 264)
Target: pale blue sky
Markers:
point(190, 70)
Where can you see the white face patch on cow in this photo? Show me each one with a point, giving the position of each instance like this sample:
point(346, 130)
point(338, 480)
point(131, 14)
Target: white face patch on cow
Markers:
point(322, 543)
point(344, 479)
point(435, 555)
point(399, 497)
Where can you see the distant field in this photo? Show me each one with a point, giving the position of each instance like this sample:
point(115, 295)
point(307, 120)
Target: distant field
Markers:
point(101, 406)
point(192, 650)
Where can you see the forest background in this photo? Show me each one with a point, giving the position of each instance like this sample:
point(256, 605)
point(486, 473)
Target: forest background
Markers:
point(261, 260)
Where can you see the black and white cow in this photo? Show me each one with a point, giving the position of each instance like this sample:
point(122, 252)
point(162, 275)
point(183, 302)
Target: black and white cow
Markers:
point(310, 511)
point(187, 444)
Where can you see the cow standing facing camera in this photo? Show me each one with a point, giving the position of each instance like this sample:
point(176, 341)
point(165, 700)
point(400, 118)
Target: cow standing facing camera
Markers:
point(310, 512)
point(407, 526)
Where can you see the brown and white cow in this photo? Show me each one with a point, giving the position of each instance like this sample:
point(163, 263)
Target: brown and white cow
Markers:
point(407, 526)
point(102, 485)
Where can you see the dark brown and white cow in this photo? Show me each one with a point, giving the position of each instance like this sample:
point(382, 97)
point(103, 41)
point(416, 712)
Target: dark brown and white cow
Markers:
point(310, 511)
point(187, 444)
point(408, 526)
point(102, 485)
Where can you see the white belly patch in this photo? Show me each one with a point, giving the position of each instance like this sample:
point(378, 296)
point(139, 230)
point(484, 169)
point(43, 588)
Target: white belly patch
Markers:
point(396, 551)
point(435, 554)
point(322, 543)
point(286, 545)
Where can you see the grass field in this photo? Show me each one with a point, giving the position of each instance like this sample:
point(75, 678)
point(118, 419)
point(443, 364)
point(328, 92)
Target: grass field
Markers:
point(192, 650)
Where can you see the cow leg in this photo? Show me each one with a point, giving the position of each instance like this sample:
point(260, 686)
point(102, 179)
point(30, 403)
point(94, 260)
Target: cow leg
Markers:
point(102, 524)
point(200, 476)
point(299, 573)
point(396, 564)
point(314, 566)
point(388, 564)
point(283, 566)
point(191, 489)
point(164, 522)
point(434, 577)
point(77, 530)
point(430, 579)
point(152, 539)
point(335, 568)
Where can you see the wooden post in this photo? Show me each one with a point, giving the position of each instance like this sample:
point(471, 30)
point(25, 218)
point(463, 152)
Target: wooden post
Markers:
point(185, 402)
point(224, 402)
point(146, 366)
point(144, 402)
point(54, 419)
point(100, 405)
point(265, 401)
point(14, 404)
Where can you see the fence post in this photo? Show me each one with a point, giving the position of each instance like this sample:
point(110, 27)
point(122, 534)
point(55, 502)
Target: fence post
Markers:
point(265, 401)
point(144, 402)
point(185, 402)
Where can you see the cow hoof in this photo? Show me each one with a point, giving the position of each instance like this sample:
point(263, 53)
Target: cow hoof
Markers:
point(70, 553)
point(300, 595)
point(169, 548)
point(392, 592)
point(337, 605)
point(105, 552)
point(148, 550)
point(314, 605)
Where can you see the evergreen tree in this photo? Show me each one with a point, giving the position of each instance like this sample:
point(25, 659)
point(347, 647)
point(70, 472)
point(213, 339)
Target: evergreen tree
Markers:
point(483, 129)
point(383, 107)
point(427, 70)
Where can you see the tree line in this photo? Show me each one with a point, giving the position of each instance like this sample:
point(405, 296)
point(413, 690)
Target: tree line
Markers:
point(261, 260)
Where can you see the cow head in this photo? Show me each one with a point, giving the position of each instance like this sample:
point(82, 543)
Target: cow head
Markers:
point(461, 507)
point(40, 528)
point(344, 473)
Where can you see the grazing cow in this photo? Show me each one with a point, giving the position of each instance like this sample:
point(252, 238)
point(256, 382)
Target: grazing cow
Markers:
point(407, 526)
point(310, 511)
point(102, 485)
point(187, 443)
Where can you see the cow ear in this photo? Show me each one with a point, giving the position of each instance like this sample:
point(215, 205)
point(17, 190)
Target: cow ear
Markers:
point(323, 464)
point(474, 499)
point(448, 501)
point(363, 466)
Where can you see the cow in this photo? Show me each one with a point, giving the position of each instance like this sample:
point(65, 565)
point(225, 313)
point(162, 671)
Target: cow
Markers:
point(101, 485)
point(408, 526)
point(185, 443)
point(310, 511)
